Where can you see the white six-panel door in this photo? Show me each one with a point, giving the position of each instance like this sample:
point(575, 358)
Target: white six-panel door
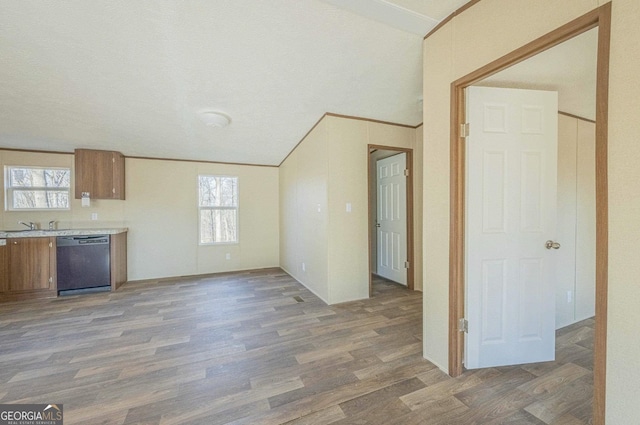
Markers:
point(510, 214)
point(392, 218)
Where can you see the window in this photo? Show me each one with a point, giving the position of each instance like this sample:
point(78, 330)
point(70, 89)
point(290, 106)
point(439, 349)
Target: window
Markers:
point(218, 202)
point(35, 188)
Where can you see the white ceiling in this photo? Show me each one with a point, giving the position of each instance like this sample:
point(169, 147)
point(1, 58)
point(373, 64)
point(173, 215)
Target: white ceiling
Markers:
point(569, 69)
point(417, 16)
point(132, 75)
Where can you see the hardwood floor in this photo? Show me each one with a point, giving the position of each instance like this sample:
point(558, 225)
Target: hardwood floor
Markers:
point(259, 348)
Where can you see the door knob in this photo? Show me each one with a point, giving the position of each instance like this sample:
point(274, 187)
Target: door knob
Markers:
point(551, 244)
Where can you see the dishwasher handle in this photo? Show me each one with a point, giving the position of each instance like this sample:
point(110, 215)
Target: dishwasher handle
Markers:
point(82, 240)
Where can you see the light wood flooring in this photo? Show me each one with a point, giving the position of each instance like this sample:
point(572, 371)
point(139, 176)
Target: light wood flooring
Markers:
point(259, 348)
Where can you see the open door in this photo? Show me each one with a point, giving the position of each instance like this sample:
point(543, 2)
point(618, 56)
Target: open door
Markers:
point(510, 226)
point(391, 218)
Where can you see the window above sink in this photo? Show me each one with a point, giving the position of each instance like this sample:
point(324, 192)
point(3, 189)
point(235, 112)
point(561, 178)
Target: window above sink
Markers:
point(37, 188)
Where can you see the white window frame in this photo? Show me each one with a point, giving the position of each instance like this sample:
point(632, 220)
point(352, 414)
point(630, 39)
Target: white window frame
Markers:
point(207, 208)
point(8, 188)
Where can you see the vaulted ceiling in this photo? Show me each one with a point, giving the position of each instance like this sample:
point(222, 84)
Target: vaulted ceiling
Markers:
point(132, 76)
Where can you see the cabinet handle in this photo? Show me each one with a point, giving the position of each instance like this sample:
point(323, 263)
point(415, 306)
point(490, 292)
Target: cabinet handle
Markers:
point(15, 242)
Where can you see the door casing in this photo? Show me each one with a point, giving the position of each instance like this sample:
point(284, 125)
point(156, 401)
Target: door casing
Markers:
point(410, 238)
point(600, 18)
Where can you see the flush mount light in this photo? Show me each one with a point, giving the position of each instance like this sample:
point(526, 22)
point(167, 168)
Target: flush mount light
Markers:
point(215, 118)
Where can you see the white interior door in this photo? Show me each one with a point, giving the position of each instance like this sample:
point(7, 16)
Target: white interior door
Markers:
point(392, 218)
point(510, 214)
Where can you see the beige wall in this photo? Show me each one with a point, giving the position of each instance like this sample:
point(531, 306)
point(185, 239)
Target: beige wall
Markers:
point(576, 221)
point(161, 212)
point(585, 297)
point(162, 215)
point(485, 32)
point(303, 213)
point(329, 168)
point(348, 232)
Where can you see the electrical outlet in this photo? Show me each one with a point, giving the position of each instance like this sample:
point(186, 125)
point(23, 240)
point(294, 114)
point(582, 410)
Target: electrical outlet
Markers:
point(94, 216)
point(348, 206)
point(319, 208)
point(228, 256)
point(569, 296)
point(304, 267)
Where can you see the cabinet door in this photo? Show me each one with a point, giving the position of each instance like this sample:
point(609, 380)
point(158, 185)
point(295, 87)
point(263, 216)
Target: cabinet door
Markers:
point(94, 173)
point(103, 176)
point(29, 264)
point(118, 175)
point(4, 266)
point(101, 173)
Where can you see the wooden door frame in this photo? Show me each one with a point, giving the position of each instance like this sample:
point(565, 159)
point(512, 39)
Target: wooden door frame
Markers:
point(600, 18)
point(410, 245)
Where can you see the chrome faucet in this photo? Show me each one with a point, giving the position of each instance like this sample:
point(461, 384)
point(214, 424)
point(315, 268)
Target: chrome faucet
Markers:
point(31, 225)
point(52, 225)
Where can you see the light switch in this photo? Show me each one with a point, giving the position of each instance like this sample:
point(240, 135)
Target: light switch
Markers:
point(228, 256)
point(319, 209)
point(94, 216)
point(348, 206)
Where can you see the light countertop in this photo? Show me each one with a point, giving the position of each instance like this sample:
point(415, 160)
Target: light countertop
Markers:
point(59, 232)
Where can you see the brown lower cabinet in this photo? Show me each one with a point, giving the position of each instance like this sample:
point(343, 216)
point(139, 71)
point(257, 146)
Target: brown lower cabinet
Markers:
point(28, 268)
point(4, 268)
point(118, 260)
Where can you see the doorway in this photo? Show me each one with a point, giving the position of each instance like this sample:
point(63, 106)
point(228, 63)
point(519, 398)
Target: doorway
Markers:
point(600, 18)
point(390, 178)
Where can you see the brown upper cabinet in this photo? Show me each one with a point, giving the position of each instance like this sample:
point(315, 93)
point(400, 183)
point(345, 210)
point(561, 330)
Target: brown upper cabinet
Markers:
point(101, 173)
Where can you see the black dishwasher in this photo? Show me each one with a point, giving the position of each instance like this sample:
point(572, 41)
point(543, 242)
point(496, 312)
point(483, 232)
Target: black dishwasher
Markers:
point(83, 263)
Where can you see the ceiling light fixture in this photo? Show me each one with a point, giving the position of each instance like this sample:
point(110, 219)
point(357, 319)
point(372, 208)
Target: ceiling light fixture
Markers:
point(215, 118)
